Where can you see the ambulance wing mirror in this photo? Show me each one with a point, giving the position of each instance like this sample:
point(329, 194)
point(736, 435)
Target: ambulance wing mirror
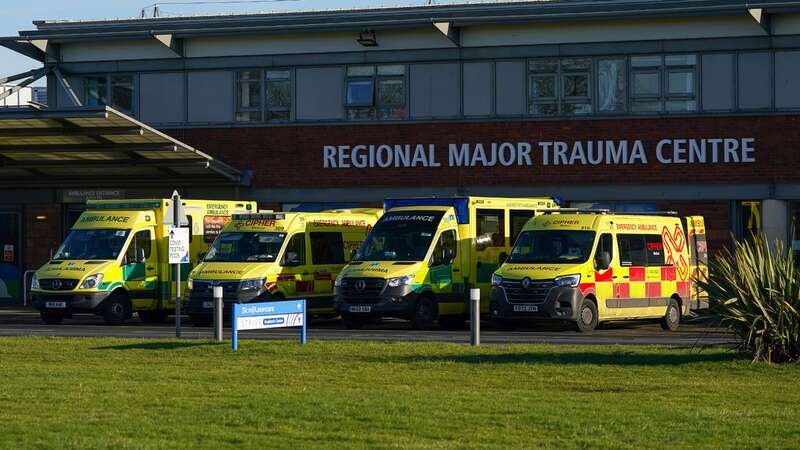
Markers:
point(449, 256)
point(353, 254)
point(140, 258)
point(603, 260)
point(503, 258)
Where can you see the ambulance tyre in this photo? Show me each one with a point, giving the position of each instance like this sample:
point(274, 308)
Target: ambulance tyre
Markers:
point(52, 318)
point(672, 319)
point(424, 313)
point(352, 322)
point(117, 309)
point(587, 316)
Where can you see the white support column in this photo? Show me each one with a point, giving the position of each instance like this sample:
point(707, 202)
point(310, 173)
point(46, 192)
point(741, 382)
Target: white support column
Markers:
point(775, 220)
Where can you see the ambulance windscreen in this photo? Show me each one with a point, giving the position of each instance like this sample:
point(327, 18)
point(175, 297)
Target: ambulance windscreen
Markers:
point(400, 236)
point(246, 247)
point(99, 244)
point(552, 247)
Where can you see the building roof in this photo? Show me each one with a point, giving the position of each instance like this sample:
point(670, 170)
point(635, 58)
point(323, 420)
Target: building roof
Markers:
point(462, 14)
point(98, 146)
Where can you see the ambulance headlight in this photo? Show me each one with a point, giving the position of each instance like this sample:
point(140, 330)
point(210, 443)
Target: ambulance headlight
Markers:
point(92, 281)
point(339, 282)
point(569, 280)
point(250, 285)
point(35, 282)
point(400, 281)
point(497, 280)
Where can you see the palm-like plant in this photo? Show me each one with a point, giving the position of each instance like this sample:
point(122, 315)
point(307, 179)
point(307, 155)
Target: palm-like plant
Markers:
point(755, 291)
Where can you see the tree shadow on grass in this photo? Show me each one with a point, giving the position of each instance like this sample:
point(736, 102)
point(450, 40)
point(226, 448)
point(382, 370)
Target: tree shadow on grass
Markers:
point(620, 358)
point(157, 346)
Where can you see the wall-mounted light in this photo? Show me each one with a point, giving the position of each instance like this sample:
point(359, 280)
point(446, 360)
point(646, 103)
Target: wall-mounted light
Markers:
point(41, 217)
point(367, 38)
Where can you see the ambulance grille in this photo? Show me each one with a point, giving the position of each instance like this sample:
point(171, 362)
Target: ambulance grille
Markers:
point(371, 292)
point(206, 286)
point(57, 284)
point(535, 293)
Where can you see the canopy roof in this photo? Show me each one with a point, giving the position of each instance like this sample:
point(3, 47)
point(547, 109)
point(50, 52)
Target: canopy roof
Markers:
point(99, 146)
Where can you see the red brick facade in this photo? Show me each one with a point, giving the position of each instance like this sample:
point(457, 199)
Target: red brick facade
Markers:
point(296, 152)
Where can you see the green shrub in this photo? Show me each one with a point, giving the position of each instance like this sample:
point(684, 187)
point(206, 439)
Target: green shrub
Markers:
point(755, 291)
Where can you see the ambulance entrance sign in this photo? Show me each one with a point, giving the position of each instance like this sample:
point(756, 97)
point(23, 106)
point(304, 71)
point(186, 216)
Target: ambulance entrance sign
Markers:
point(260, 316)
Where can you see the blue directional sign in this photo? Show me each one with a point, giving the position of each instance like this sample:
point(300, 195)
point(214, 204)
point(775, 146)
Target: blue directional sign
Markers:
point(260, 316)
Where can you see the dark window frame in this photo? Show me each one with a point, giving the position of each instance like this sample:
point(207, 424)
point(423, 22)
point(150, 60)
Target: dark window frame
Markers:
point(331, 251)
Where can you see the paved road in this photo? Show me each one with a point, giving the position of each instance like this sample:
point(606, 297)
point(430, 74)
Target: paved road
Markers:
point(26, 322)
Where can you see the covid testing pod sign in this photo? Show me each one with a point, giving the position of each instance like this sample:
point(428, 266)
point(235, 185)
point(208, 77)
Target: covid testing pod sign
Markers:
point(260, 316)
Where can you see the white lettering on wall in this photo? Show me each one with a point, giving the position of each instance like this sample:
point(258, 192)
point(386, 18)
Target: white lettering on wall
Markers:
point(668, 151)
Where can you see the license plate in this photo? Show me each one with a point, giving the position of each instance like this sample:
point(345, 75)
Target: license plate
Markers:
point(526, 308)
point(360, 309)
point(56, 304)
point(208, 305)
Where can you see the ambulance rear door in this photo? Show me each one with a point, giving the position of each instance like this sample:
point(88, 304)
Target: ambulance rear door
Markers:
point(698, 257)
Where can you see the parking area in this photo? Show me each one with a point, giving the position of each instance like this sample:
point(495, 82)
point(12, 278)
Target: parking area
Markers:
point(26, 322)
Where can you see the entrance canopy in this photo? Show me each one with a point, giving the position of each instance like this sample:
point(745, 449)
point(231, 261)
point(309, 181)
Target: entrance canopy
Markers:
point(99, 147)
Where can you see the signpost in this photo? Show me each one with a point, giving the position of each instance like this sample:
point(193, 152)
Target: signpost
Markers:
point(260, 316)
point(178, 251)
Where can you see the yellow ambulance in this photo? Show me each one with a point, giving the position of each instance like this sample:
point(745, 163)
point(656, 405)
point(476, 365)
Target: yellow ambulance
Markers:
point(278, 256)
point(114, 260)
point(592, 266)
point(424, 255)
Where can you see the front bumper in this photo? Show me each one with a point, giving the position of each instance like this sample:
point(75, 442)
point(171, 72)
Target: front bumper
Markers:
point(390, 302)
point(201, 304)
point(74, 302)
point(561, 303)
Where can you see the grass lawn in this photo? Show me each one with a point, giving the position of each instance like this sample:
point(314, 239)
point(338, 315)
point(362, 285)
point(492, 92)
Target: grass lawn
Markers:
point(113, 393)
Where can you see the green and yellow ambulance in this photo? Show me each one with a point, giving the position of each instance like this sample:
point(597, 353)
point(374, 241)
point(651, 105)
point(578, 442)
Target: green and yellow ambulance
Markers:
point(114, 262)
point(424, 255)
point(278, 256)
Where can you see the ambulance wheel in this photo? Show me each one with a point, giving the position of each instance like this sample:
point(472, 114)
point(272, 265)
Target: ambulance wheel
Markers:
point(117, 309)
point(452, 321)
point(157, 316)
point(201, 321)
point(672, 319)
point(587, 316)
point(352, 322)
point(51, 318)
point(424, 314)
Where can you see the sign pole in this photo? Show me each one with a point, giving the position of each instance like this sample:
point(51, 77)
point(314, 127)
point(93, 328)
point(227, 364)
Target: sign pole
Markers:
point(234, 331)
point(303, 328)
point(176, 223)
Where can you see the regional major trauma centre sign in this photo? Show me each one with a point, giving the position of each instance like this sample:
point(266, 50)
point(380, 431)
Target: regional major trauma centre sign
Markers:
point(545, 153)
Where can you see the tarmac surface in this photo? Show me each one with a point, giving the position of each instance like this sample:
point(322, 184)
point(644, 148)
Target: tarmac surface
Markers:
point(18, 321)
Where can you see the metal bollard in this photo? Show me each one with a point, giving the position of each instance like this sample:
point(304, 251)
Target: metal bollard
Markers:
point(218, 313)
point(475, 317)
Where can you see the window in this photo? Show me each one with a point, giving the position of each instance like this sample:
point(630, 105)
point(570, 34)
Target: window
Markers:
point(604, 244)
point(96, 91)
point(748, 219)
point(665, 83)
point(518, 221)
point(376, 92)
point(327, 248)
point(295, 253)
point(122, 93)
point(279, 95)
point(448, 244)
point(248, 96)
point(141, 240)
point(491, 229)
point(632, 250)
point(655, 250)
point(560, 86)
point(611, 85)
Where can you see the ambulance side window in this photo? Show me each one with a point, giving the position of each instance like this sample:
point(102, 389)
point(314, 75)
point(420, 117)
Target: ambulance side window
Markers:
point(491, 229)
point(295, 254)
point(518, 221)
point(446, 248)
point(327, 248)
point(604, 244)
point(141, 240)
point(631, 250)
point(655, 250)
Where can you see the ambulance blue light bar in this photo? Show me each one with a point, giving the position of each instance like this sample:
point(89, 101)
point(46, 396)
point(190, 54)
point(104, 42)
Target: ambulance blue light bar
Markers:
point(460, 204)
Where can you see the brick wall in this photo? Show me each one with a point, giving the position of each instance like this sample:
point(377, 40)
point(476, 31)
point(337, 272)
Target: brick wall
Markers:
point(292, 156)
